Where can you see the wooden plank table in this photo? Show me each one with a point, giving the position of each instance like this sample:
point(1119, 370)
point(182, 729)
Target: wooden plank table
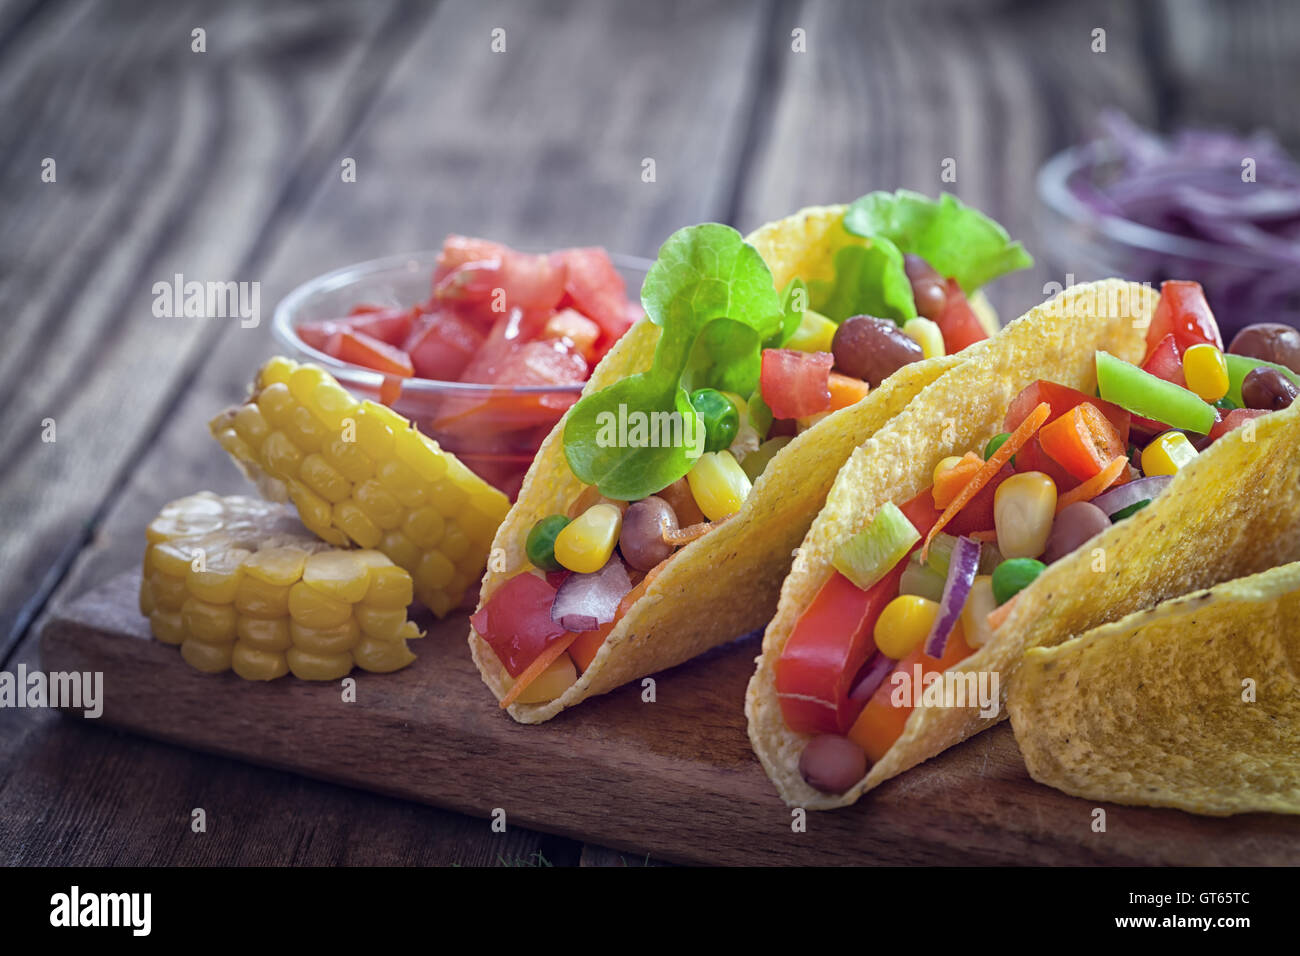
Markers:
point(225, 165)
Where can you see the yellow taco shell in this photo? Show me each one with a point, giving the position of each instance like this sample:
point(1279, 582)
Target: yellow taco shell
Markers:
point(726, 583)
point(1230, 512)
point(1194, 704)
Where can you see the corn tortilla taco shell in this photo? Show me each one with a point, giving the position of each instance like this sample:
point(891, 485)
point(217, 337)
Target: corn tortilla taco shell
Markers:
point(1229, 513)
point(726, 583)
point(1153, 710)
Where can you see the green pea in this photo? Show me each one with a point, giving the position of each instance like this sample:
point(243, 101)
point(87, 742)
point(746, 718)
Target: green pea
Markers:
point(1013, 576)
point(540, 545)
point(720, 418)
point(1225, 404)
point(996, 442)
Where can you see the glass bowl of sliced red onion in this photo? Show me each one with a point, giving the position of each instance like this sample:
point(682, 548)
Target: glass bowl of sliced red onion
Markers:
point(1217, 207)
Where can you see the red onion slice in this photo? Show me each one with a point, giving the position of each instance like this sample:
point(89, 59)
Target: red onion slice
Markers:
point(1143, 489)
point(586, 601)
point(871, 676)
point(962, 567)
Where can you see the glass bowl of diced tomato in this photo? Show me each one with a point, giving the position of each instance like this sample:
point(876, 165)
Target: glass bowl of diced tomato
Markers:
point(482, 346)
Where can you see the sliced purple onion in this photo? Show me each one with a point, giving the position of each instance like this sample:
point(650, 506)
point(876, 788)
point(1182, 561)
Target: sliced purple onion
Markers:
point(871, 676)
point(586, 601)
point(1143, 489)
point(963, 564)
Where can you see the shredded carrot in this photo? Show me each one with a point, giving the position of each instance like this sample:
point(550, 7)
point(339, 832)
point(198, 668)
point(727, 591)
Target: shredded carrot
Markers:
point(1024, 431)
point(846, 390)
point(681, 536)
point(948, 484)
point(1093, 486)
point(534, 670)
point(990, 535)
point(998, 615)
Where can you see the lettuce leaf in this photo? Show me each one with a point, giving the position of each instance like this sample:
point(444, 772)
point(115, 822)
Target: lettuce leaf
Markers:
point(869, 280)
point(959, 242)
point(713, 296)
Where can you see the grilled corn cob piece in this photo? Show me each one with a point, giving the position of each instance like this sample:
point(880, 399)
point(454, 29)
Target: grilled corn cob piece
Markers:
point(358, 472)
point(240, 583)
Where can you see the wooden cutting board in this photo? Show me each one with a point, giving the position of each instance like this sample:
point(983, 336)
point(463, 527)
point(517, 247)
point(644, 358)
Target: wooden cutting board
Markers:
point(674, 778)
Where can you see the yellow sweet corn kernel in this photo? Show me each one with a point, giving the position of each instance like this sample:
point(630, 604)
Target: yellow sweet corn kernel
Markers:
point(373, 433)
point(814, 334)
point(379, 504)
point(1206, 372)
point(167, 626)
point(353, 522)
point(250, 425)
point(307, 666)
point(401, 550)
point(903, 624)
point(280, 456)
point(434, 571)
point(276, 371)
point(379, 623)
point(389, 587)
point(276, 406)
point(347, 458)
point(439, 602)
point(252, 663)
point(217, 580)
point(1024, 509)
point(147, 604)
point(382, 657)
point(403, 483)
point(209, 623)
point(265, 634)
point(585, 543)
point(315, 609)
point(208, 658)
point(172, 559)
point(169, 592)
point(718, 484)
point(925, 333)
point(338, 574)
point(424, 526)
point(305, 431)
point(321, 477)
point(316, 513)
point(327, 641)
point(944, 466)
point(455, 543)
point(258, 599)
point(1167, 453)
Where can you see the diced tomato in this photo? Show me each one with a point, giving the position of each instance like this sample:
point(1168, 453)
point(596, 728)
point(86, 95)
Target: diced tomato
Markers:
point(516, 621)
point(577, 328)
point(1234, 419)
point(1183, 312)
point(796, 384)
point(880, 723)
point(977, 514)
point(387, 325)
point(513, 280)
point(1082, 441)
point(369, 352)
point(595, 289)
point(846, 390)
point(442, 346)
point(1061, 398)
point(958, 322)
point(833, 639)
point(458, 250)
point(1164, 361)
point(543, 363)
point(1033, 458)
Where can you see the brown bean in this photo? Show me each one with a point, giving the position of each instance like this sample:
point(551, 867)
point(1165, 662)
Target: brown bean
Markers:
point(1267, 388)
point(642, 539)
point(872, 349)
point(931, 297)
point(1270, 341)
point(917, 268)
point(1072, 527)
point(832, 764)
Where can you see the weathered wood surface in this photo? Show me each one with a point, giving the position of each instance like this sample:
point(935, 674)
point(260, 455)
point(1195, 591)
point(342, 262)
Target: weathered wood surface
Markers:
point(225, 165)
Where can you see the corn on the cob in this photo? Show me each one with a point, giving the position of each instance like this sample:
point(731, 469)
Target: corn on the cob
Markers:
point(359, 472)
point(240, 583)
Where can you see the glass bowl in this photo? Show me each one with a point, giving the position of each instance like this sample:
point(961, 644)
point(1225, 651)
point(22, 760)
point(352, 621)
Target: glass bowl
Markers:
point(508, 423)
point(1084, 243)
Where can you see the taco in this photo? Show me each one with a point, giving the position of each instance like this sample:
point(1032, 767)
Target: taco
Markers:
point(1100, 455)
point(659, 517)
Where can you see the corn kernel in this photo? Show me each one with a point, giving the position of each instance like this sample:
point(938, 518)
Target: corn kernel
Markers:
point(338, 574)
point(167, 626)
point(348, 459)
point(219, 580)
point(401, 550)
point(147, 604)
point(239, 449)
point(315, 609)
point(378, 503)
point(316, 513)
point(814, 333)
point(439, 602)
point(209, 623)
point(926, 334)
point(455, 543)
point(264, 634)
point(405, 485)
point(380, 623)
point(307, 666)
point(1024, 507)
point(424, 526)
point(172, 558)
point(1167, 453)
point(277, 406)
point(168, 592)
point(1206, 372)
point(980, 603)
point(321, 477)
point(420, 454)
point(325, 640)
point(585, 543)
point(434, 571)
point(718, 484)
point(903, 624)
point(449, 498)
point(382, 657)
point(281, 456)
point(252, 663)
point(208, 658)
point(276, 371)
point(390, 587)
point(945, 465)
point(373, 434)
point(356, 525)
point(250, 424)
point(276, 566)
